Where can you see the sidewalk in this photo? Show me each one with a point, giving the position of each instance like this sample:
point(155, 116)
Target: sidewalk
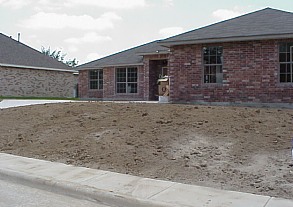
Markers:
point(116, 189)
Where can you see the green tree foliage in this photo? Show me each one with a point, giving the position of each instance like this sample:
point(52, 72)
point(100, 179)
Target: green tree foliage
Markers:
point(72, 63)
point(58, 55)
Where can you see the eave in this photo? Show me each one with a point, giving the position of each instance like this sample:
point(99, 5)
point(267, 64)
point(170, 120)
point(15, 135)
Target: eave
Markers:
point(114, 65)
point(37, 68)
point(167, 43)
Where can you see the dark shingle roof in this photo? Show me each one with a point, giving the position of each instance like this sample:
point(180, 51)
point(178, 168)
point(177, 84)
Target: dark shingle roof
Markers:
point(128, 57)
point(16, 53)
point(262, 23)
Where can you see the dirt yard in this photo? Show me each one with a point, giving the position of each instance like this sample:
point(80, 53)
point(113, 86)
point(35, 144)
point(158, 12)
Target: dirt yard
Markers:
point(242, 149)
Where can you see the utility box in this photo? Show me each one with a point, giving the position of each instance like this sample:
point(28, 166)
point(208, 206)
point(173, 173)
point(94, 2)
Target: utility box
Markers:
point(164, 86)
point(164, 89)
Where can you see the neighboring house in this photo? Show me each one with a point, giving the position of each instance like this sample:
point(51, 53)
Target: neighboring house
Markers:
point(244, 59)
point(27, 72)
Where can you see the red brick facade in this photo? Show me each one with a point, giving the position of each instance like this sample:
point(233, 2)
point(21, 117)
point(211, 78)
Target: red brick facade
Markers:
point(110, 85)
point(250, 74)
point(83, 87)
point(145, 77)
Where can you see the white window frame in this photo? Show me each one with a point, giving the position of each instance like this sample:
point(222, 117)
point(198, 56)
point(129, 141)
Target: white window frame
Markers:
point(288, 64)
point(217, 67)
point(128, 88)
point(97, 80)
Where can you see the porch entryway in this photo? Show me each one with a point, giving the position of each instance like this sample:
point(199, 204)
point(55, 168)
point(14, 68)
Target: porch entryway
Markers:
point(157, 69)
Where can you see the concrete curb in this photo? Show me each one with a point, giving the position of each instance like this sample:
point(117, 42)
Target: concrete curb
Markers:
point(78, 191)
point(115, 189)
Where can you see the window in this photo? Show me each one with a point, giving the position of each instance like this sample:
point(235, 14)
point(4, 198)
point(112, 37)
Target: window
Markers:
point(213, 64)
point(96, 79)
point(286, 62)
point(126, 80)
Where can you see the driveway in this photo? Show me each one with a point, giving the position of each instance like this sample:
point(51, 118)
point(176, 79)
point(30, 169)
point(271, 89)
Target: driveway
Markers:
point(9, 103)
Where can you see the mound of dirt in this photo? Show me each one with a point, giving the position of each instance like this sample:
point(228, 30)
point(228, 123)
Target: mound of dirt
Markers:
point(233, 148)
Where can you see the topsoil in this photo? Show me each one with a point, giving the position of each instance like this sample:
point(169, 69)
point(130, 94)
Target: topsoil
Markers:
point(232, 148)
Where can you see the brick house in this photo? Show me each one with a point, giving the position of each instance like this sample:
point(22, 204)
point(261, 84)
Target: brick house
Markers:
point(27, 72)
point(241, 60)
point(128, 75)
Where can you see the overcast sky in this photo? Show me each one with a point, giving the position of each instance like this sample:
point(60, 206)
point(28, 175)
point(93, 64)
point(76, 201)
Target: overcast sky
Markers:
point(91, 29)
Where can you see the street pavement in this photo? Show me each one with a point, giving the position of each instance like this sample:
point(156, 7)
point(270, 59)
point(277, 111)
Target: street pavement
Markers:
point(16, 195)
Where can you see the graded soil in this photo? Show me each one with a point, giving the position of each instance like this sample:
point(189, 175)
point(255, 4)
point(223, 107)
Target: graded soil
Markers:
point(231, 148)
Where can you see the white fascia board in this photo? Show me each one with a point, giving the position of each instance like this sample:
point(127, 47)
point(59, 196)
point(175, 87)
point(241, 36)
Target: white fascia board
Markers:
point(37, 68)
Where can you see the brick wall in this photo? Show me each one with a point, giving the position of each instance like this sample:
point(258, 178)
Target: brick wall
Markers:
point(109, 87)
point(83, 87)
point(36, 83)
point(250, 70)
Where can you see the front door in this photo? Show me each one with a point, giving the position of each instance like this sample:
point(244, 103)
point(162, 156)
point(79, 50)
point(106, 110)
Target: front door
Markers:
point(157, 69)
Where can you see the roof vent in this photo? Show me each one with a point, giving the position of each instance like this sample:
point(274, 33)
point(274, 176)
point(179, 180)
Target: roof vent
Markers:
point(18, 37)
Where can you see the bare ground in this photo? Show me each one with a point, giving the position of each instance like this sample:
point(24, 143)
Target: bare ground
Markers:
point(242, 149)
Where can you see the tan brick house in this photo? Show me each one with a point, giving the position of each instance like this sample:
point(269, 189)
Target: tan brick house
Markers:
point(241, 60)
point(25, 72)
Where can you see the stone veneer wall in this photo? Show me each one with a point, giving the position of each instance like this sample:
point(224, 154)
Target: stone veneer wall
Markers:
point(250, 74)
point(36, 83)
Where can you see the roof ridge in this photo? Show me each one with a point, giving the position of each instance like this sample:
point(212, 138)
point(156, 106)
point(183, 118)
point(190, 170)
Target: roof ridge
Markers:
point(227, 20)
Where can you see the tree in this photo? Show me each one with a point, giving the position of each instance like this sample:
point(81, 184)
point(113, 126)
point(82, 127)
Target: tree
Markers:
point(72, 63)
point(58, 55)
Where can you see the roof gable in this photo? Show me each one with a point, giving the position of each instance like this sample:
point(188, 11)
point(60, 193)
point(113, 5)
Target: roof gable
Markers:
point(15, 53)
point(266, 22)
point(132, 56)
